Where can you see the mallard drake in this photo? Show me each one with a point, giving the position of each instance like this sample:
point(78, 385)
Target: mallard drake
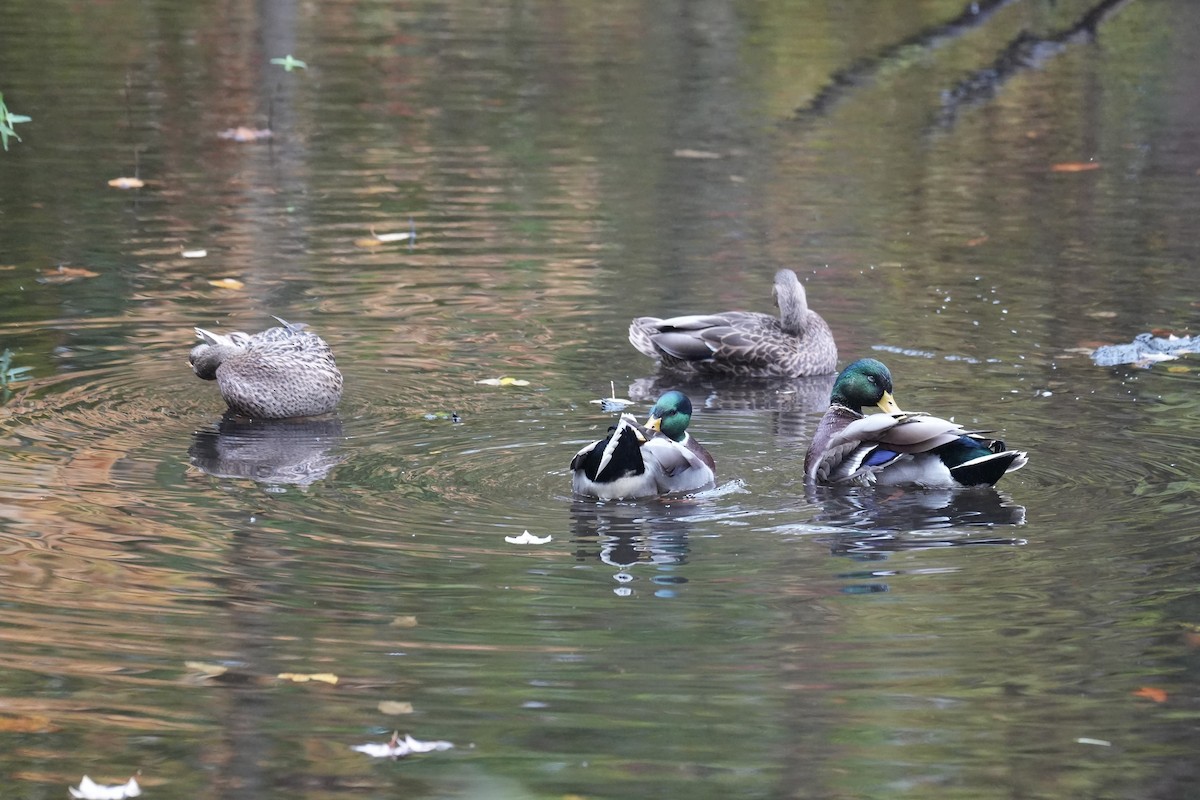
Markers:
point(279, 373)
point(642, 461)
point(897, 447)
point(744, 343)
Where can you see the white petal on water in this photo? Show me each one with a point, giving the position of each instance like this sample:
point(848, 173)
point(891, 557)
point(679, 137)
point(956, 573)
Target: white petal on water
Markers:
point(392, 237)
point(527, 538)
point(398, 748)
point(417, 746)
point(90, 790)
point(382, 749)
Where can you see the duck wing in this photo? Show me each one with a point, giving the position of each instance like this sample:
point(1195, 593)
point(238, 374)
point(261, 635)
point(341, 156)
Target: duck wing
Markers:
point(740, 336)
point(675, 466)
point(857, 451)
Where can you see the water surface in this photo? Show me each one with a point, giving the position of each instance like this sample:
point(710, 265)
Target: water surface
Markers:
point(566, 169)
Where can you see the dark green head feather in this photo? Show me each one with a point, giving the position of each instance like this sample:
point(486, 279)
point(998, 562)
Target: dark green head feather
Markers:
point(863, 383)
point(671, 415)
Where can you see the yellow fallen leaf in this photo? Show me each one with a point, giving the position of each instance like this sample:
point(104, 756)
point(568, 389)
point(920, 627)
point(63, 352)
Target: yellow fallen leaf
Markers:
point(64, 274)
point(1075, 166)
point(503, 382)
point(298, 677)
point(406, 621)
point(207, 670)
point(1179, 368)
point(127, 183)
point(34, 723)
point(513, 382)
point(395, 707)
point(227, 283)
point(369, 241)
point(1151, 693)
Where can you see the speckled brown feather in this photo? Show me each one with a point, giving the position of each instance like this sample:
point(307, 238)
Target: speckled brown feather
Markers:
point(279, 373)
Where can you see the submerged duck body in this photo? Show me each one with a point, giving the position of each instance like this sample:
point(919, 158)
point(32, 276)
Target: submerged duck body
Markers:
point(895, 447)
point(744, 343)
point(279, 373)
point(660, 457)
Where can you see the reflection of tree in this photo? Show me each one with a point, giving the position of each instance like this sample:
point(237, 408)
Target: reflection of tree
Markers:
point(726, 394)
point(1022, 53)
point(862, 71)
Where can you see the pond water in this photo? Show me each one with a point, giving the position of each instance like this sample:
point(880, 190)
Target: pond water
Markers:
point(566, 167)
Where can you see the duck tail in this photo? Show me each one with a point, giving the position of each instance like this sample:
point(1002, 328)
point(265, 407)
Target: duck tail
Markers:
point(640, 332)
point(986, 470)
point(293, 327)
point(212, 339)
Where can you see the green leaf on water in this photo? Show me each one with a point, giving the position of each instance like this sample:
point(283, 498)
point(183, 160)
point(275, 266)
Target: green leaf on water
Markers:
point(288, 63)
point(7, 120)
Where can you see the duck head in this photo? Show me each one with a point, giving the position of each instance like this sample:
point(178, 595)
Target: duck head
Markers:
point(866, 382)
point(671, 415)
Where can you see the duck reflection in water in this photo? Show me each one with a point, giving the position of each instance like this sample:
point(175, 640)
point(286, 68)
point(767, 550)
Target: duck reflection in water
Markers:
point(888, 519)
point(624, 535)
point(274, 451)
point(714, 393)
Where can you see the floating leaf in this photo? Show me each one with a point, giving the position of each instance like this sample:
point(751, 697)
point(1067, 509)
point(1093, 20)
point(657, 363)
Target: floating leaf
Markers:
point(685, 153)
point(90, 790)
point(65, 274)
point(297, 677)
point(503, 382)
point(127, 183)
point(379, 239)
point(7, 120)
point(207, 670)
point(1097, 742)
point(289, 63)
point(34, 723)
point(227, 283)
point(1179, 368)
point(194, 253)
point(1151, 693)
point(612, 403)
point(406, 621)
point(527, 538)
point(1075, 166)
point(395, 707)
point(244, 134)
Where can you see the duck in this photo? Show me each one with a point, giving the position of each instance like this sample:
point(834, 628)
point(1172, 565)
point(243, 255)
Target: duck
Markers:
point(279, 373)
point(634, 460)
point(896, 447)
point(747, 344)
